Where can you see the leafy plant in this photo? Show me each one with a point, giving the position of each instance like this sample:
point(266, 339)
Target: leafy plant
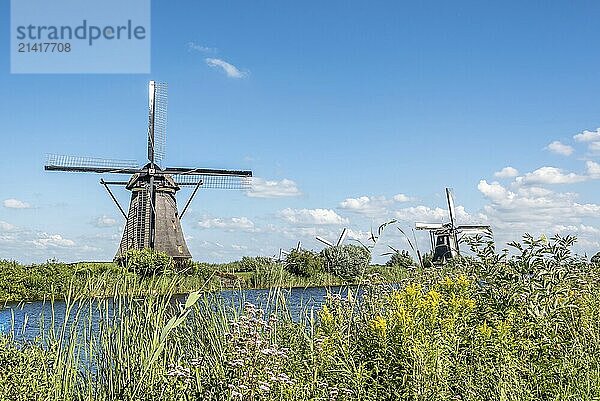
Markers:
point(346, 261)
point(596, 259)
point(303, 262)
point(147, 262)
point(401, 259)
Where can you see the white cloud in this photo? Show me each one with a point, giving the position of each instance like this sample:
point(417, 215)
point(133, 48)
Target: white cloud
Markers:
point(421, 213)
point(535, 210)
point(193, 46)
point(427, 214)
point(588, 136)
point(16, 204)
point(46, 241)
point(372, 205)
point(4, 226)
point(262, 188)
point(594, 147)
point(232, 223)
point(529, 208)
point(507, 172)
point(560, 148)
point(231, 70)
point(104, 221)
point(401, 198)
point(593, 169)
point(368, 205)
point(312, 216)
point(550, 175)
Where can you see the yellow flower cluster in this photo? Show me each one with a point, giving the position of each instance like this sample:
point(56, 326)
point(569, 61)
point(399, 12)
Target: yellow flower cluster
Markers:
point(379, 324)
point(460, 282)
point(326, 316)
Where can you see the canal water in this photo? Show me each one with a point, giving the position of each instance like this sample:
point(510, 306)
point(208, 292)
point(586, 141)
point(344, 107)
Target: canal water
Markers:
point(28, 320)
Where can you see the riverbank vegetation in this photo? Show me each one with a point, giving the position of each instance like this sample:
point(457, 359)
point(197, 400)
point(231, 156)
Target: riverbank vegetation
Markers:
point(488, 327)
point(155, 271)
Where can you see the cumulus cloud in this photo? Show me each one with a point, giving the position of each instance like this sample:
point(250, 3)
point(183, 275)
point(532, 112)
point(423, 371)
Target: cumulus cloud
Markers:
point(588, 136)
point(368, 205)
point(550, 175)
point(229, 69)
point(262, 188)
point(312, 216)
point(15, 204)
point(593, 169)
point(232, 223)
point(401, 198)
point(372, 205)
point(104, 221)
point(45, 241)
point(527, 207)
point(560, 148)
point(4, 226)
point(594, 147)
point(427, 214)
point(507, 172)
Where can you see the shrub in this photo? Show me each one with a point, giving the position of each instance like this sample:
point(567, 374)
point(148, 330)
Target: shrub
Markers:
point(254, 264)
point(146, 262)
point(401, 259)
point(596, 259)
point(346, 261)
point(303, 262)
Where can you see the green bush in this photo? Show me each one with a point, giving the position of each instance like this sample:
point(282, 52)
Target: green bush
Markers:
point(254, 264)
point(596, 259)
point(147, 262)
point(401, 259)
point(303, 262)
point(346, 261)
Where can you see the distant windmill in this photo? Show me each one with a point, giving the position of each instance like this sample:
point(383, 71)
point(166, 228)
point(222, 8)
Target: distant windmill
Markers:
point(339, 242)
point(444, 236)
point(153, 220)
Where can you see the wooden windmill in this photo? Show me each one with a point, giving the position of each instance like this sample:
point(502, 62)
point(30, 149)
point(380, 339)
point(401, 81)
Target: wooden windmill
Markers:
point(445, 237)
point(153, 220)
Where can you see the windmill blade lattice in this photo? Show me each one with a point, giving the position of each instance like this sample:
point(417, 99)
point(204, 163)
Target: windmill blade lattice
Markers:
point(90, 164)
point(214, 181)
point(157, 124)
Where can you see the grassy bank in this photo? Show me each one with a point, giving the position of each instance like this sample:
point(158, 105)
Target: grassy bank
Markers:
point(20, 282)
point(482, 328)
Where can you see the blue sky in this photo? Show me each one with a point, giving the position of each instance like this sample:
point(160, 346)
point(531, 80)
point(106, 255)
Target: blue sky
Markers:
point(340, 107)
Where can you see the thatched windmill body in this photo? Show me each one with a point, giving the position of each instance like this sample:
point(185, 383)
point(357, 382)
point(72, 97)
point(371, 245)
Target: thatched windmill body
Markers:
point(153, 220)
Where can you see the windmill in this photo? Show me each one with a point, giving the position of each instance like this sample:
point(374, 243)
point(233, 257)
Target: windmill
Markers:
point(445, 236)
point(153, 220)
point(339, 242)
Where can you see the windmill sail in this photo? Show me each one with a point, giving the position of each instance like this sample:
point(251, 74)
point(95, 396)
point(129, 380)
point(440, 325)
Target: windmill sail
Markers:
point(157, 121)
point(89, 164)
point(451, 209)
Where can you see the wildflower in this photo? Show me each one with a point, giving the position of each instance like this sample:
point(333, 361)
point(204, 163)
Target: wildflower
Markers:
point(326, 316)
point(485, 330)
point(380, 325)
point(463, 281)
point(413, 290)
point(447, 282)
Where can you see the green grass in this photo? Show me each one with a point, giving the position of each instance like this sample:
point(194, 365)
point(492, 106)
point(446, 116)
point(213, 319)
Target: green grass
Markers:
point(20, 282)
point(482, 328)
